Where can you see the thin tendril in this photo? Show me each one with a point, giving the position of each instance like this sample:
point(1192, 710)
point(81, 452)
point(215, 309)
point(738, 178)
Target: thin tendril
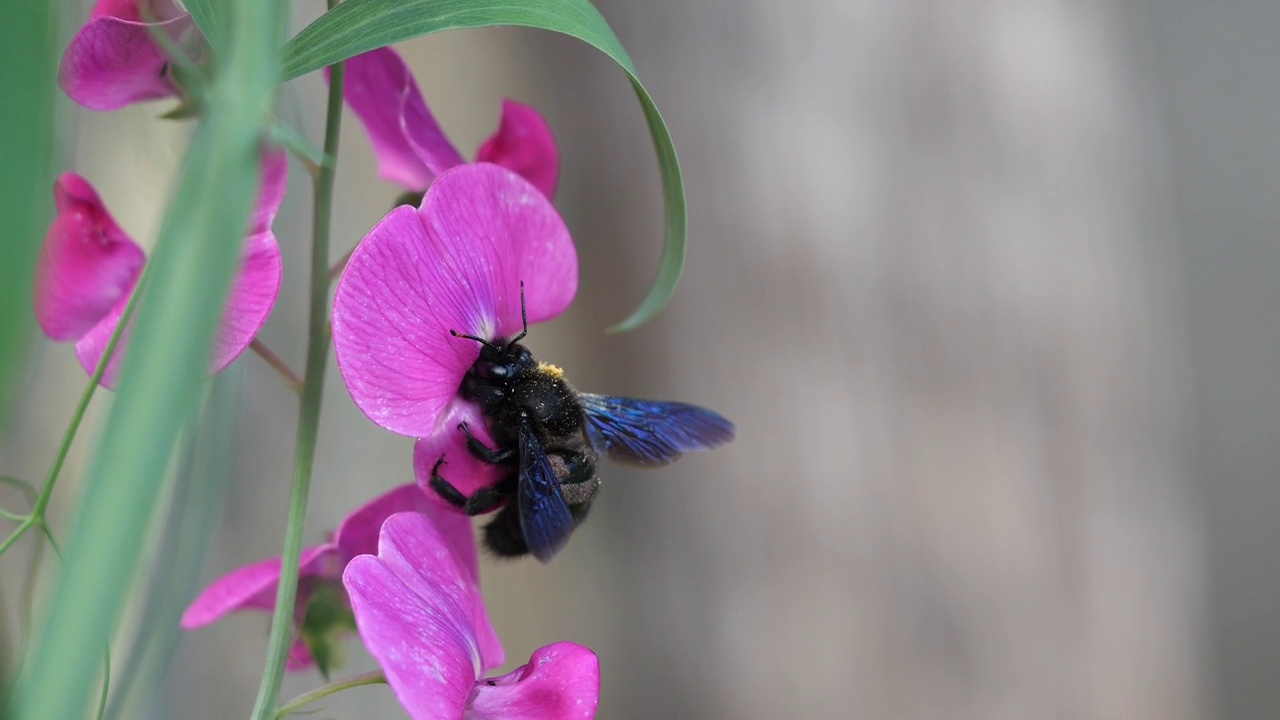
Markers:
point(324, 691)
point(46, 490)
point(40, 502)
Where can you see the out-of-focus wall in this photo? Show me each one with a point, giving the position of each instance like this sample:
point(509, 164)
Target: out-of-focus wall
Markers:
point(931, 276)
point(1215, 66)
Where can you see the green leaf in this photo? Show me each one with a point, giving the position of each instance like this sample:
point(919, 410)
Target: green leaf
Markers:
point(297, 144)
point(28, 72)
point(179, 540)
point(164, 369)
point(357, 26)
point(208, 17)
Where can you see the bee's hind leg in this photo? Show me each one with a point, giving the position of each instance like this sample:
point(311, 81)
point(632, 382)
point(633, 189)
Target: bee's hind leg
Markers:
point(481, 501)
point(445, 489)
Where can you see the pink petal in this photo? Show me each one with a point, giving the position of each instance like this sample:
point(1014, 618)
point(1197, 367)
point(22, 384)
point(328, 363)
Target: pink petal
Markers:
point(123, 9)
point(91, 347)
point(455, 264)
point(358, 535)
point(87, 264)
point(460, 468)
point(299, 657)
point(561, 681)
point(414, 608)
point(275, 179)
point(410, 145)
point(113, 62)
point(130, 10)
point(524, 144)
point(252, 297)
point(494, 230)
point(253, 587)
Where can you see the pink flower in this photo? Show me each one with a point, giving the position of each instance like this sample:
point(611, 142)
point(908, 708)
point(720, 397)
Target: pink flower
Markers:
point(88, 267)
point(323, 612)
point(113, 60)
point(455, 263)
point(411, 147)
point(417, 611)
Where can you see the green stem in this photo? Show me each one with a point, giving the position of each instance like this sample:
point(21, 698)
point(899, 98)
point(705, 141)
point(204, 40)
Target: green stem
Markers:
point(282, 623)
point(370, 678)
point(46, 490)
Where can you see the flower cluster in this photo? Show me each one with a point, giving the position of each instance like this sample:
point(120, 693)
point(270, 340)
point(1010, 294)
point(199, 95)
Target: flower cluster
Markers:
point(88, 266)
point(401, 572)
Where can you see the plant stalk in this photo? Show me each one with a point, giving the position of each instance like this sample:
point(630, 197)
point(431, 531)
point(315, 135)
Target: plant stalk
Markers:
point(282, 621)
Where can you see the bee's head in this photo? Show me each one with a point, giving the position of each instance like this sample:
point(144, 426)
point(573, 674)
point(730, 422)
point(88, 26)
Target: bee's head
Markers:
point(502, 360)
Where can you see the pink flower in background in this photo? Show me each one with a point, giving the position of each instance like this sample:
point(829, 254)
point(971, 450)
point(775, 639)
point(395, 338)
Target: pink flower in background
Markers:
point(323, 614)
point(417, 611)
point(455, 263)
point(411, 147)
point(88, 268)
point(113, 61)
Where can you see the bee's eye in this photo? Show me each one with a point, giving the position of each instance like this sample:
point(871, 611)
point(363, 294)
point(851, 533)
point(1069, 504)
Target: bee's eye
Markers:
point(493, 371)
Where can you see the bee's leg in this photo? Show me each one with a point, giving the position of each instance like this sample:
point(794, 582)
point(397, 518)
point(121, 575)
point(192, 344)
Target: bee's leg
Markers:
point(444, 489)
point(483, 452)
point(579, 481)
point(491, 496)
point(503, 535)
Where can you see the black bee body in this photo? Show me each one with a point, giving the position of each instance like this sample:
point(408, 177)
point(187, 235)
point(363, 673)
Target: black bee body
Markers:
point(518, 395)
point(548, 437)
point(512, 388)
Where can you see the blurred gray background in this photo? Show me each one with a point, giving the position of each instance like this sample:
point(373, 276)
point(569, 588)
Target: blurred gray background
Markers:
point(989, 289)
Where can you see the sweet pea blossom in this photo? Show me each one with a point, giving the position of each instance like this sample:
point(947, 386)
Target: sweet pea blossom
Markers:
point(114, 61)
point(415, 607)
point(411, 147)
point(88, 268)
point(323, 613)
point(454, 264)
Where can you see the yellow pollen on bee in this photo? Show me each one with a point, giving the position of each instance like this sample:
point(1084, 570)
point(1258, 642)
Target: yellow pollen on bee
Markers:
point(551, 370)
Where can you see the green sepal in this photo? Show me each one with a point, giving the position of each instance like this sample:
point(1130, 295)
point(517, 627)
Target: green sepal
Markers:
point(325, 625)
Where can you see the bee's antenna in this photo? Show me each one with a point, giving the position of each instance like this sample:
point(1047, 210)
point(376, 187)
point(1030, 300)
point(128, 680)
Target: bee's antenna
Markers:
point(524, 319)
point(480, 340)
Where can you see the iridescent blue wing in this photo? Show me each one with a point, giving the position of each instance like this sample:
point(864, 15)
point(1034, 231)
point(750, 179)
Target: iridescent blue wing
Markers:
point(545, 519)
point(651, 432)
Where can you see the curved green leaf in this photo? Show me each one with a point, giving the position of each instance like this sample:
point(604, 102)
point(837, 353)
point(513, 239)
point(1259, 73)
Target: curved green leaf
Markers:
point(207, 15)
point(357, 26)
point(28, 74)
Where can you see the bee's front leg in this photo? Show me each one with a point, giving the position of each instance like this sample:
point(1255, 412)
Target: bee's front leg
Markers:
point(483, 452)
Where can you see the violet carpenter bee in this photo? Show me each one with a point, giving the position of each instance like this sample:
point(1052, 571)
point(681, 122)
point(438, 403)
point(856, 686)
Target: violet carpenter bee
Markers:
point(549, 437)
